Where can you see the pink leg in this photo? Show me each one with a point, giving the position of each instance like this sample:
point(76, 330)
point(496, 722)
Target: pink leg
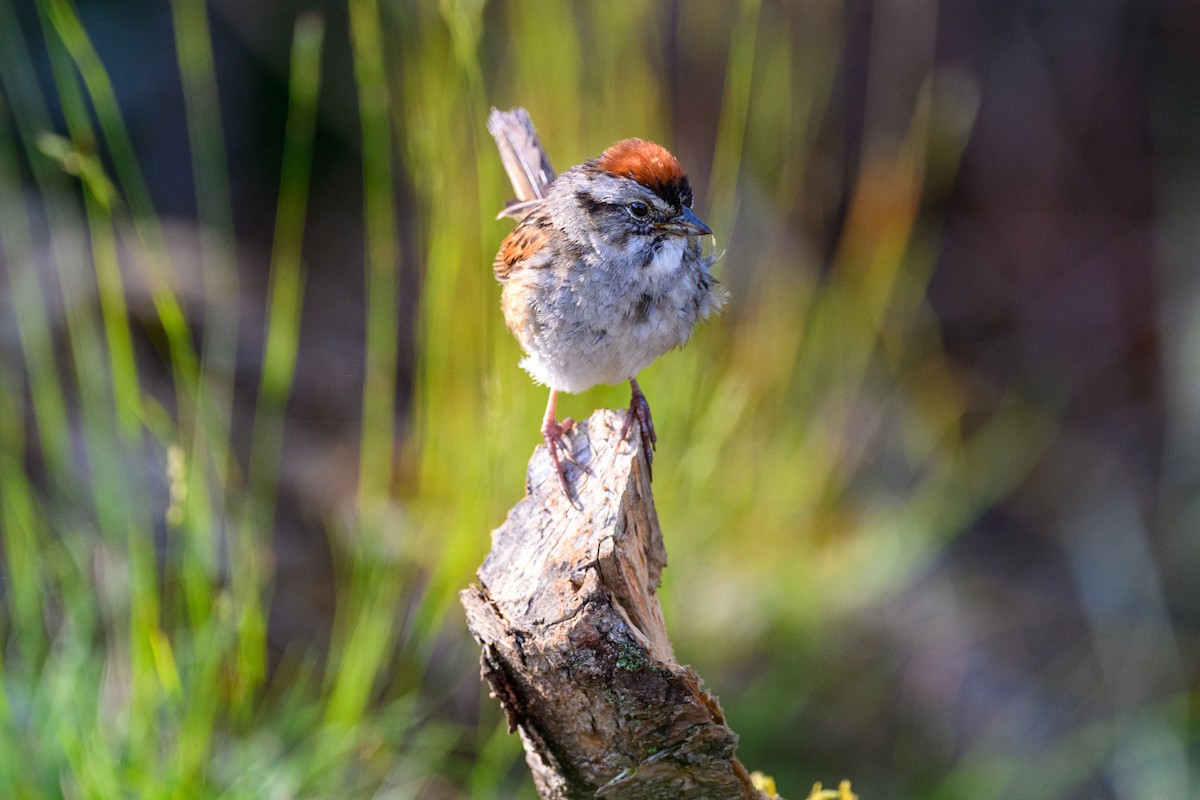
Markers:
point(639, 409)
point(553, 432)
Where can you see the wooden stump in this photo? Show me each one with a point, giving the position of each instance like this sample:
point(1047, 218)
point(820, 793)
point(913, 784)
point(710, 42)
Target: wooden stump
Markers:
point(574, 643)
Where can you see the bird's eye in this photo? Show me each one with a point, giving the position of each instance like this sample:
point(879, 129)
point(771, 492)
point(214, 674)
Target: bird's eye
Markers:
point(639, 209)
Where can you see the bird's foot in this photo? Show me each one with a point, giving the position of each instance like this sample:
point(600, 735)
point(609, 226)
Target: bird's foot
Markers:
point(639, 409)
point(553, 432)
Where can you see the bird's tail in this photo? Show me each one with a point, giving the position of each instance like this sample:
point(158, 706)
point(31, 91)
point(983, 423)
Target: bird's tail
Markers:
point(524, 159)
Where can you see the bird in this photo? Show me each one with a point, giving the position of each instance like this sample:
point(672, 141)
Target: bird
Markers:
point(603, 273)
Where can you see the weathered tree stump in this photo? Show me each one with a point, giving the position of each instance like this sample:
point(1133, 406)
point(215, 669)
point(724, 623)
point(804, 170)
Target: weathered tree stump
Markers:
point(574, 643)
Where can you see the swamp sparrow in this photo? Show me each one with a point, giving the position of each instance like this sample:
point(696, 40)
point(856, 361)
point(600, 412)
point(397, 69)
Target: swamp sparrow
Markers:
point(603, 273)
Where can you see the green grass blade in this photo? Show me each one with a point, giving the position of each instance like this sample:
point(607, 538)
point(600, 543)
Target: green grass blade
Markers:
point(376, 454)
point(283, 332)
point(63, 28)
point(366, 614)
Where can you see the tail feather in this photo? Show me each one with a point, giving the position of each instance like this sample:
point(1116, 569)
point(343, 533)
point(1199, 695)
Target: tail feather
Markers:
point(524, 159)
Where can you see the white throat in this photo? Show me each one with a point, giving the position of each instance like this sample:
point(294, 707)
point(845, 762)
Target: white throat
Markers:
point(667, 257)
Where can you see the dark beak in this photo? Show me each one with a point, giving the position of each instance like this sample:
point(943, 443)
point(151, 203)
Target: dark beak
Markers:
point(687, 224)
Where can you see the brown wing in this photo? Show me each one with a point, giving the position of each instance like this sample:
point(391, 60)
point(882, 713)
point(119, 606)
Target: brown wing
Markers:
point(530, 236)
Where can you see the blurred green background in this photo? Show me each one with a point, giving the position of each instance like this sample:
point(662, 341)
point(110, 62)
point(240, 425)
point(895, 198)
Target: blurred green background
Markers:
point(930, 486)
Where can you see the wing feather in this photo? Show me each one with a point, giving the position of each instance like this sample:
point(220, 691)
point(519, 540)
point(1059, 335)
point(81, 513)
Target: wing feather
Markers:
point(530, 236)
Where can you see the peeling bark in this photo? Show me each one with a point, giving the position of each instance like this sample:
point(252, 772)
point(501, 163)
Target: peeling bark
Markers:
point(574, 643)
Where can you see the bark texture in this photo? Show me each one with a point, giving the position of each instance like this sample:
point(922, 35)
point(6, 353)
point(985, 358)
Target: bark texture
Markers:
point(574, 643)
